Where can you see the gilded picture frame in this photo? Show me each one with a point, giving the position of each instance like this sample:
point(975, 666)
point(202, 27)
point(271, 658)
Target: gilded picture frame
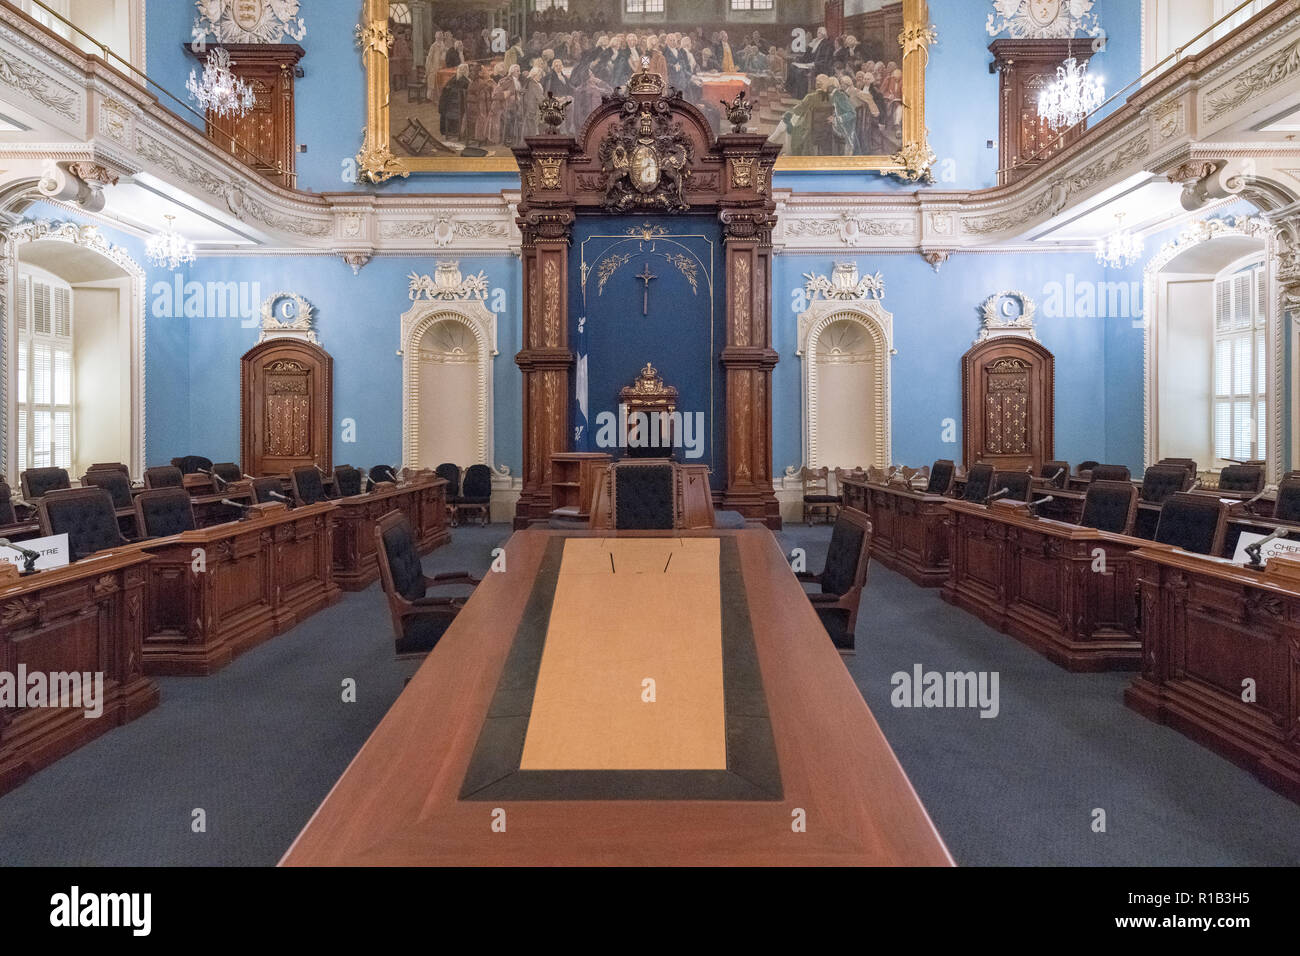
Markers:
point(882, 104)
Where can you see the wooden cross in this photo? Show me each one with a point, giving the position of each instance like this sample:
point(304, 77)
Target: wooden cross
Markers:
point(645, 276)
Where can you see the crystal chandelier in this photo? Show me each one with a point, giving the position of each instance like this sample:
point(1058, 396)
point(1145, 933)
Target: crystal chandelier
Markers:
point(220, 91)
point(169, 248)
point(1073, 96)
point(1121, 248)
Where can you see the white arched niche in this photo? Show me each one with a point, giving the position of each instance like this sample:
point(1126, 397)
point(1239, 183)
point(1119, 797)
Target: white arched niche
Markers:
point(447, 352)
point(845, 346)
point(108, 309)
point(1179, 334)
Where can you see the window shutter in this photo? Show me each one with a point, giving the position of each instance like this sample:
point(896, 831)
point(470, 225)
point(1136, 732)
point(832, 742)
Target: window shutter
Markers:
point(62, 377)
point(24, 306)
point(41, 308)
point(1243, 316)
point(63, 311)
point(1261, 295)
point(1222, 305)
point(1222, 429)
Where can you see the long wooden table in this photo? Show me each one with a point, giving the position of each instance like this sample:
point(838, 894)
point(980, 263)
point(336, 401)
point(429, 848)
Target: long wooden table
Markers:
point(84, 618)
point(1041, 581)
point(1211, 626)
point(424, 502)
point(218, 591)
point(909, 532)
point(809, 777)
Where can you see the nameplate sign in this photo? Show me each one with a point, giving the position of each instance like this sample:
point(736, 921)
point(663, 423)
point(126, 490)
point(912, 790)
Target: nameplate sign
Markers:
point(1287, 546)
point(53, 552)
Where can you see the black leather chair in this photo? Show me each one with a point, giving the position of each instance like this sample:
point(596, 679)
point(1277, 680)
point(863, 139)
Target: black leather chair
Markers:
point(308, 488)
point(227, 471)
point(266, 489)
point(86, 515)
point(476, 493)
point(941, 473)
point(642, 494)
point(7, 513)
point(1111, 473)
point(1246, 479)
point(842, 578)
point(978, 480)
point(1019, 484)
point(382, 473)
point(115, 483)
point(38, 482)
point(1110, 506)
point(164, 476)
point(1160, 482)
point(192, 464)
point(111, 466)
point(1287, 506)
point(163, 512)
point(451, 474)
point(1057, 473)
point(1188, 463)
point(347, 481)
point(419, 619)
point(1085, 468)
point(1193, 523)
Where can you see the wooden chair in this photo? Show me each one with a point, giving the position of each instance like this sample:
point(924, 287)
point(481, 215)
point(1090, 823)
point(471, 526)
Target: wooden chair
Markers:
point(266, 490)
point(817, 495)
point(1055, 473)
point(1019, 485)
point(163, 512)
point(476, 493)
point(1247, 479)
point(1160, 482)
point(978, 483)
point(842, 578)
point(1194, 523)
point(164, 476)
point(347, 481)
point(1287, 506)
point(1111, 473)
point(308, 488)
point(38, 482)
point(86, 515)
point(1110, 506)
point(642, 494)
point(941, 474)
point(419, 620)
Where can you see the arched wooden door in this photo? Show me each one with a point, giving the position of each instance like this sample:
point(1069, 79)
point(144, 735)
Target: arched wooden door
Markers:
point(286, 407)
point(1008, 397)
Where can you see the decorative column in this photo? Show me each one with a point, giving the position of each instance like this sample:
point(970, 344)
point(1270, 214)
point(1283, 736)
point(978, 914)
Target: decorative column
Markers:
point(747, 214)
point(546, 216)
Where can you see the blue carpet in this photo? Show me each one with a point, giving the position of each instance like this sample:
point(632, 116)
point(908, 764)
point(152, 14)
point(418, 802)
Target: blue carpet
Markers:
point(258, 745)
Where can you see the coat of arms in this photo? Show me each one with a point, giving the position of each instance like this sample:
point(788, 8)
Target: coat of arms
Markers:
point(646, 159)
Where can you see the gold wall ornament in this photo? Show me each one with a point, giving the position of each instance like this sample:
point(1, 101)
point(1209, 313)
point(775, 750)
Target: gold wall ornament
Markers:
point(549, 167)
point(915, 163)
point(646, 159)
point(742, 172)
point(389, 160)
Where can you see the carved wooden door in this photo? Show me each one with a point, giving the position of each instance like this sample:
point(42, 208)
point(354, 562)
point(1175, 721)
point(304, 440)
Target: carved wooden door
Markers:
point(286, 415)
point(1007, 404)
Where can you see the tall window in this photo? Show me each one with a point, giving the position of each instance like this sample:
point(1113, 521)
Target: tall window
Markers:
point(1240, 366)
point(44, 371)
point(751, 4)
point(643, 6)
point(541, 6)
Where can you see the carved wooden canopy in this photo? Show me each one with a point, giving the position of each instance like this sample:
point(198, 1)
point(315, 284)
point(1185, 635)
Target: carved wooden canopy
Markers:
point(646, 151)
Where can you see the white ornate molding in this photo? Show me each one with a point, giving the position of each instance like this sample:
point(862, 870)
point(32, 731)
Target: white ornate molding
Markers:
point(866, 311)
point(86, 237)
point(997, 321)
point(248, 21)
point(297, 323)
point(1038, 20)
point(473, 314)
point(1197, 233)
point(843, 284)
point(447, 284)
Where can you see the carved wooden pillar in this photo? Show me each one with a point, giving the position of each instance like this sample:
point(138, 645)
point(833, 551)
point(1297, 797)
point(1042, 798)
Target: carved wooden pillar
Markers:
point(545, 360)
point(747, 214)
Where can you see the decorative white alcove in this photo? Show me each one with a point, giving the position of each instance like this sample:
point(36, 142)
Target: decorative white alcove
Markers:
point(845, 341)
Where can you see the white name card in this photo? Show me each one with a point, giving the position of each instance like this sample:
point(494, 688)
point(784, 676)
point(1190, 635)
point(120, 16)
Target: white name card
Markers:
point(53, 551)
point(1288, 546)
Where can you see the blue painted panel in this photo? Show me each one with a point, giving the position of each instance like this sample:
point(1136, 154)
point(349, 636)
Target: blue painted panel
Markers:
point(682, 334)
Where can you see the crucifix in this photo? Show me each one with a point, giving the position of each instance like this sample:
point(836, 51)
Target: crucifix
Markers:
point(645, 276)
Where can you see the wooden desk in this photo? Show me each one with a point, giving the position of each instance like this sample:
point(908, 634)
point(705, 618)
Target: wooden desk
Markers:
point(909, 530)
point(261, 577)
point(208, 509)
point(1033, 578)
point(84, 618)
point(1209, 625)
point(399, 802)
point(424, 502)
